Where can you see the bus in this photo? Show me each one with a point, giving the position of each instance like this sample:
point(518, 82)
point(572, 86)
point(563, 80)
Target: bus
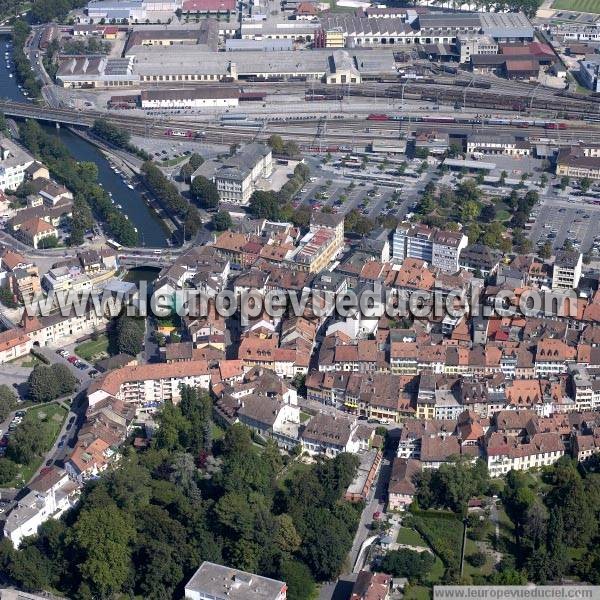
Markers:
point(114, 245)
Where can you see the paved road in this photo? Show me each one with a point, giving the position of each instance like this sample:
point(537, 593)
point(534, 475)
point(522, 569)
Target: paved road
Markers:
point(376, 503)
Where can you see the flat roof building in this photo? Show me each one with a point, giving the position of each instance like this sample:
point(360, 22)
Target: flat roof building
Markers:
point(216, 582)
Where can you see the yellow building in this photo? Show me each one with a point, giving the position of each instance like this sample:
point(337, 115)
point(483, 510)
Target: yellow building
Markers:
point(335, 38)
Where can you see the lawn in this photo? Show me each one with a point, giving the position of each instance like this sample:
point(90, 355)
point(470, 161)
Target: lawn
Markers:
point(417, 592)
point(304, 416)
point(54, 415)
point(486, 569)
point(589, 6)
point(28, 361)
point(410, 537)
point(443, 532)
point(93, 350)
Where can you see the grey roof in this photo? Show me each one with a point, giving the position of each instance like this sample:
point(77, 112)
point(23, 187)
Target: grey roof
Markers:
point(499, 25)
point(567, 259)
point(225, 582)
point(206, 34)
point(260, 409)
point(449, 20)
point(328, 429)
point(363, 25)
point(265, 45)
point(188, 59)
point(236, 167)
point(15, 155)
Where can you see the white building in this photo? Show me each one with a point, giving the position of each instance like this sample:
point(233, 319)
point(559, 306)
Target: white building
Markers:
point(589, 70)
point(50, 495)
point(236, 177)
point(330, 435)
point(439, 248)
point(201, 97)
point(505, 453)
point(148, 386)
point(217, 582)
point(13, 163)
point(566, 272)
point(475, 43)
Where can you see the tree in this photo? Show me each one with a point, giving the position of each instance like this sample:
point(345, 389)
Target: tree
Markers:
point(222, 220)
point(195, 161)
point(101, 539)
point(204, 193)
point(299, 580)
point(408, 563)
point(8, 401)
point(265, 205)
point(42, 384)
point(286, 537)
point(186, 172)
point(585, 184)
point(276, 143)
point(545, 251)
point(8, 470)
point(126, 335)
point(543, 180)
point(477, 559)
point(564, 181)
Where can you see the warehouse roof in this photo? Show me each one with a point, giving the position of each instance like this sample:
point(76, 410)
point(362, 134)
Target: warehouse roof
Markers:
point(503, 25)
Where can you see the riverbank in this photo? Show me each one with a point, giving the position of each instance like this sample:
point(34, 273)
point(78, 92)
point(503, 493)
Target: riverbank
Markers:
point(129, 165)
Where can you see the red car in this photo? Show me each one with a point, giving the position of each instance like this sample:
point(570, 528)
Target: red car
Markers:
point(4, 441)
point(72, 359)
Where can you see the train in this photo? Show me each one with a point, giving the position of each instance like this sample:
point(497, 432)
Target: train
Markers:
point(469, 121)
point(184, 133)
point(330, 149)
point(308, 97)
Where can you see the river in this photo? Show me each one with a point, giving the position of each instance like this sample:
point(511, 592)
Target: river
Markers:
point(151, 230)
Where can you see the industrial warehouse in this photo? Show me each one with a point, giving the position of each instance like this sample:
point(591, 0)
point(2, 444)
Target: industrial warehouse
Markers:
point(336, 49)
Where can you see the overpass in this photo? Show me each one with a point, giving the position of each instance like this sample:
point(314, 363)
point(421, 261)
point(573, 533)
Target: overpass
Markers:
point(54, 115)
point(157, 261)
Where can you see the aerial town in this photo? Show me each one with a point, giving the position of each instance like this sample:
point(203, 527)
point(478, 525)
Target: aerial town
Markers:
point(299, 299)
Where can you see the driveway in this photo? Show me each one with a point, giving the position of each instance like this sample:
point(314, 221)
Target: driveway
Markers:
point(53, 358)
point(14, 377)
point(375, 503)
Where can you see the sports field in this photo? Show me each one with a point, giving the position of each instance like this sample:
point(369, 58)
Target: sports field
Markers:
point(588, 6)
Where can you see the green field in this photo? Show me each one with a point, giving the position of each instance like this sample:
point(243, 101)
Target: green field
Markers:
point(54, 415)
point(410, 537)
point(93, 350)
point(588, 6)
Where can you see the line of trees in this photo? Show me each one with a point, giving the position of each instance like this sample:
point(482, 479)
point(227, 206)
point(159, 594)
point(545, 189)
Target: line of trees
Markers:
point(276, 206)
point(170, 198)
point(117, 137)
point(25, 75)
point(82, 179)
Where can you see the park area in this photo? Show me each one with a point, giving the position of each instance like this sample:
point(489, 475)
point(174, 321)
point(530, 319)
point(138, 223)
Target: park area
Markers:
point(93, 350)
point(586, 6)
point(34, 437)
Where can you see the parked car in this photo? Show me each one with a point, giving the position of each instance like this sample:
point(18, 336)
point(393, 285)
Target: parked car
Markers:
point(72, 360)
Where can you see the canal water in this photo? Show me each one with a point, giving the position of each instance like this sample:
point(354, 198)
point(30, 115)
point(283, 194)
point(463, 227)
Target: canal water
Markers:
point(151, 230)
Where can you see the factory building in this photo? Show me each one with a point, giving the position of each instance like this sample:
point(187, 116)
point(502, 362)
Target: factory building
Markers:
point(96, 72)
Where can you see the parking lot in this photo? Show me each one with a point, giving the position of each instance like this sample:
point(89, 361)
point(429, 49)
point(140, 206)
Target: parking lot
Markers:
point(364, 189)
point(565, 217)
